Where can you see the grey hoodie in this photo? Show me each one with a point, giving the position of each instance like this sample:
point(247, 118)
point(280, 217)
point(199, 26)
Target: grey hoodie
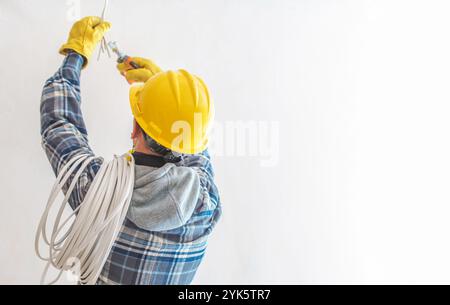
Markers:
point(164, 198)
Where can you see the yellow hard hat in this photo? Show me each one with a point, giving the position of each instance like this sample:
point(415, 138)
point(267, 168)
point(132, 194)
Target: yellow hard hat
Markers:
point(174, 108)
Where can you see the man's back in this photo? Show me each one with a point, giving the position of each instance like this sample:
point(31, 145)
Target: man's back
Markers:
point(172, 212)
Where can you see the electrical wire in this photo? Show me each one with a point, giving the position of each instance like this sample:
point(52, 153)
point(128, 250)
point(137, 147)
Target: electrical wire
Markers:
point(105, 7)
point(103, 43)
point(96, 222)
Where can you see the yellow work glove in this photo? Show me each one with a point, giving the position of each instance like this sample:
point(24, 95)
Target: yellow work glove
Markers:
point(147, 70)
point(84, 36)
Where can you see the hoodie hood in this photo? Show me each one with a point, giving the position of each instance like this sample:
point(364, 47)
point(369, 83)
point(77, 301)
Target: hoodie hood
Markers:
point(163, 198)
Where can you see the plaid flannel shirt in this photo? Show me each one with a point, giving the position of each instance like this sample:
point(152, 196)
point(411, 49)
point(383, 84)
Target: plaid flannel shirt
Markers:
point(138, 256)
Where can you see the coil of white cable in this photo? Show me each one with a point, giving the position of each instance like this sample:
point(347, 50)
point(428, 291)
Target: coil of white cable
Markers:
point(96, 222)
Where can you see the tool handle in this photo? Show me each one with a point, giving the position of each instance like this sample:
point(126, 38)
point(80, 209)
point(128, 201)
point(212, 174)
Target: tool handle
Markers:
point(131, 63)
point(127, 60)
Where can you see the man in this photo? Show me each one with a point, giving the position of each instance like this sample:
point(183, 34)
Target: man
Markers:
point(175, 202)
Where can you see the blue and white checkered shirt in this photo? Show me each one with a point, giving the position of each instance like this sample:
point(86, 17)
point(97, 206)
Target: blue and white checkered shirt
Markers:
point(138, 256)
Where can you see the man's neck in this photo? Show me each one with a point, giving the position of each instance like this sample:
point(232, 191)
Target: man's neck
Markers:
point(146, 150)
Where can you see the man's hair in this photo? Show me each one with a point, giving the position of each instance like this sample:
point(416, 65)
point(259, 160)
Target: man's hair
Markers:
point(155, 146)
point(168, 154)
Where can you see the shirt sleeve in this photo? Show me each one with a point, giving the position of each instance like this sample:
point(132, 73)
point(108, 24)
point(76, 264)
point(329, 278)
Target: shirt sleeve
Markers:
point(63, 130)
point(201, 163)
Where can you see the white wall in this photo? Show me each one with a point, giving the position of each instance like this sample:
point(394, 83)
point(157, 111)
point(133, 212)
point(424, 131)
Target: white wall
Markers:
point(359, 90)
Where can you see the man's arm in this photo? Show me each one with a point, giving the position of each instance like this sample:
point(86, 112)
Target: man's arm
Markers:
point(63, 131)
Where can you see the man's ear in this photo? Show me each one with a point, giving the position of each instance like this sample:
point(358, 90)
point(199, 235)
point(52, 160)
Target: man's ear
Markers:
point(136, 130)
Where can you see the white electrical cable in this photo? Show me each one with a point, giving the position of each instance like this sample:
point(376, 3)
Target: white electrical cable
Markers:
point(105, 7)
point(96, 222)
point(103, 43)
